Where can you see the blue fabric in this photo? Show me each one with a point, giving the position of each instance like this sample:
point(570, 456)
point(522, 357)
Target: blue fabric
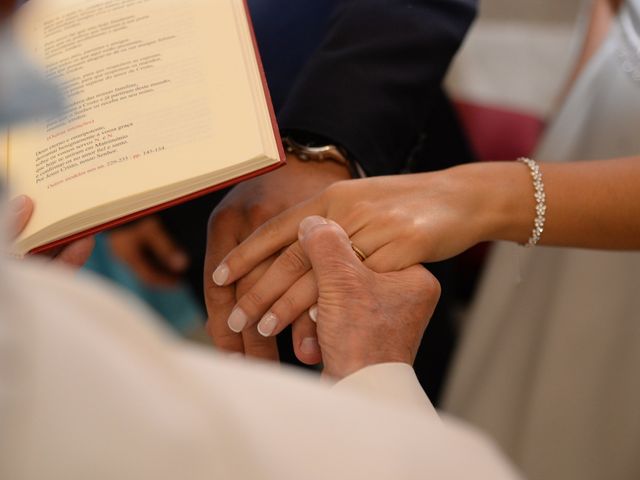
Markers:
point(288, 32)
point(176, 305)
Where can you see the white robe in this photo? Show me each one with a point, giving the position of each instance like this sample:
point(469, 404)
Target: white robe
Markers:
point(92, 388)
point(550, 366)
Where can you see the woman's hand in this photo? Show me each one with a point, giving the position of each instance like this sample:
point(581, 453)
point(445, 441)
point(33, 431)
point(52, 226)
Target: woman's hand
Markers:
point(395, 221)
point(75, 254)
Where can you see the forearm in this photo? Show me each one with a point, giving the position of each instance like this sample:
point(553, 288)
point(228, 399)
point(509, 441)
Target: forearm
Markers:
point(591, 204)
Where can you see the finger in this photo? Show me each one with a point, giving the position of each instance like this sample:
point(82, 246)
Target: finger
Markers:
point(265, 241)
point(328, 248)
point(164, 248)
point(256, 345)
point(144, 270)
point(294, 302)
point(283, 273)
point(21, 210)
point(220, 300)
point(77, 253)
point(305, 341)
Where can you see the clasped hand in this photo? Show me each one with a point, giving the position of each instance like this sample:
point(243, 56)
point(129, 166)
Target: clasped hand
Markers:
point(363, 318)
point(396, 221)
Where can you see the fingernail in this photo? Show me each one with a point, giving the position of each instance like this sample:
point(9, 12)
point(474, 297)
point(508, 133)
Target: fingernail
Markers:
point(221, 275)
point(308, 223)
point(237, 320)
point(268, 324)
point(18, 204)
point(309, 346)
point(313, 313)
point(179, 261)
point(235, 356)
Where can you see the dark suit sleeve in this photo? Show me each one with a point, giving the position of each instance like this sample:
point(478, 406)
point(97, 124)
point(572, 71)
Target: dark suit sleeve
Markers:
point(370, 85)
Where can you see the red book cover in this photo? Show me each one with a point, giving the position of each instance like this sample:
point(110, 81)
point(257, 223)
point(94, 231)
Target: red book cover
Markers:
point(192, 196)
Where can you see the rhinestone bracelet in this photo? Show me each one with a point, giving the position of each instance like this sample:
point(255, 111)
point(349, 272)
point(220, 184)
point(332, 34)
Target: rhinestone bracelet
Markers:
point(541, 201)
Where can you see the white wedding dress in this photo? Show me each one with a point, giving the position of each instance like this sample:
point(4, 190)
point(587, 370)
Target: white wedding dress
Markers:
point(549, 363)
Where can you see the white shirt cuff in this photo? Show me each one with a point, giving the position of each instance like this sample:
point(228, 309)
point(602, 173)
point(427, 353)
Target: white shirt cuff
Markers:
point(391, 382)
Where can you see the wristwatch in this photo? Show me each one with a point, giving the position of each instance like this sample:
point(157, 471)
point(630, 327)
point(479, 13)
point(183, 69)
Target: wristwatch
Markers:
point(310, 149)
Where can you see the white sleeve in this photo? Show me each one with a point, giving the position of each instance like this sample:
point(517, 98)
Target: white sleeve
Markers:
point(391, 382)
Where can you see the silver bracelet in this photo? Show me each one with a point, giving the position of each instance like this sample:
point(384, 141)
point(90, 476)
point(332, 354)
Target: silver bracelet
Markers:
point(541, 201)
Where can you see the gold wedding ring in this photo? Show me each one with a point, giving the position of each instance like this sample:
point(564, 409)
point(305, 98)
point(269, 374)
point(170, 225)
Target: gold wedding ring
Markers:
point(359, 253)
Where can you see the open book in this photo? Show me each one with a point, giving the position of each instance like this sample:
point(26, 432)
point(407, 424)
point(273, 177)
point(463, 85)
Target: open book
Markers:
point(166, 100)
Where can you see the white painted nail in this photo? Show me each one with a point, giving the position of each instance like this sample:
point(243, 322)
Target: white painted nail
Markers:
point(313, 313)
point(268, 324)
point(238, 320)
point(221, 275)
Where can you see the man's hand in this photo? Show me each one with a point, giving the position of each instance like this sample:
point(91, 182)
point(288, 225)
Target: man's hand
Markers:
point(148, 249)
point(75, 254)
point(247, 207)
point(364, 318)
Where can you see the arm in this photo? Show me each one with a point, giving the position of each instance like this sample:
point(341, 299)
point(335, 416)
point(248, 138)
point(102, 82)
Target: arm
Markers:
point(370, 85)
point(593, 204)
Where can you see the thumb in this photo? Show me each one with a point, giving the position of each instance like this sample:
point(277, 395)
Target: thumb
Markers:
point(327, 246)
point(21, 210)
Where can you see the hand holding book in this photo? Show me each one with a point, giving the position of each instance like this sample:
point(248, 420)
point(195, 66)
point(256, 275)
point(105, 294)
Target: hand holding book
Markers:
point(75, 254)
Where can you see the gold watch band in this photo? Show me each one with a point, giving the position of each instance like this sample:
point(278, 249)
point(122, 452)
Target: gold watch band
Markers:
point(325, 153)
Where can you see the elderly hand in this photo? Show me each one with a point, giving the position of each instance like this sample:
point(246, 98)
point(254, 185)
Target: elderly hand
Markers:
point(75, 254)
point(248, 206)
point(363, 318)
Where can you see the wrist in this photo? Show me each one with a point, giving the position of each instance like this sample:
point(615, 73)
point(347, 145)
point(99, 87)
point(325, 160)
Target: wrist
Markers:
point(502, 193)
point(334, 169)
point(355, 362)
point(514, 203)
point(309, 147)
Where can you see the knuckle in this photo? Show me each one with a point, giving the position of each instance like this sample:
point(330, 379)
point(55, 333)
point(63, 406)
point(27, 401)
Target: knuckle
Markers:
point(363, 207)
point(236, 257)
point(293, 261)
point(251, 301)
point(345, 280)
point(221, 215)
point(334, 192)
point(270, 229)
point(257, 214)
point(216, 300)
point(424, 288)
point(287, 307)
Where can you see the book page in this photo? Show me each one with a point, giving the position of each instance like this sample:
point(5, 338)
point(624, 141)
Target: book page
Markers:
point(157, 93)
